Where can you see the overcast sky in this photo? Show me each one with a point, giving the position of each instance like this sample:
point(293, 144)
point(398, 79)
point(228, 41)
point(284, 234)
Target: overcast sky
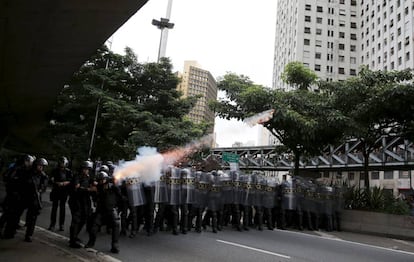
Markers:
point(221, 35)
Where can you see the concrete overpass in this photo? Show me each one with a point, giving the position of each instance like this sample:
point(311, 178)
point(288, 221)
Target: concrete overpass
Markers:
point(41, 44)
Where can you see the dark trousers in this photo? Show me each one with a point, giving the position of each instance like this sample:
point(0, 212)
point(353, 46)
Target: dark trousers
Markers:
point(31, 218)
point(111, 221)
point(61, 204)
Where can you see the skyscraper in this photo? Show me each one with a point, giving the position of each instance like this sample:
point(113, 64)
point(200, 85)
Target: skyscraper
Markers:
point(323, 34)
point(335, 37)
point(196, 81)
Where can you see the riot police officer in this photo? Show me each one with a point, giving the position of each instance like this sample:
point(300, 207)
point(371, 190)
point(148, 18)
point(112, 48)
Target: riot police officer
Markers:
point(80, 202)
point(31, 186)
point(61, 177)
point(11, 211)
point(108, 201)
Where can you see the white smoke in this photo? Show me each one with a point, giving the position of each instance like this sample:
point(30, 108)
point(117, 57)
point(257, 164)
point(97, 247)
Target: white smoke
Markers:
point(147, 166)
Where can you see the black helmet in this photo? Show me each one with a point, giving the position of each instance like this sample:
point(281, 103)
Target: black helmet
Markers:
point(104, 168)
point(87, 164)
point(102, 175)
point(63, 161)
point(29, 158)
point(41, 162)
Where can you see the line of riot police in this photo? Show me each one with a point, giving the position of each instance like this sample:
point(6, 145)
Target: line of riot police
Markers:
point(184, 199)
point(181, 200)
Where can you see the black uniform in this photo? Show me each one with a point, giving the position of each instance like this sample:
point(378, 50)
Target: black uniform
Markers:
point(108, 201)
point(32, 183)
point(61, 178)
point(80, 206)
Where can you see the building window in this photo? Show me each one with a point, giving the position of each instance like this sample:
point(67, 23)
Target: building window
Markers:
point(407, 40)
point(318, 55)
point(341, 58)
point(318, 31)
point(308, 7)
point(341, 35)
point(341, 23)
point(306, 42)
point(399, 46)
point(319, 20)
point(407, 56)
point(307, 18)
point(353, 37)
point(352, 48)
point(318, 43)
point(307, 30)
point(353, 25)
point(399, 31)
point(330, 33)
point(319, 9)
point(342, 2)
point(317, 67)
point(389, 174)
point(341, 70)
point(352, 72)
point(404, 174)
point(352, 60)
point(342, 12)
point(374, 175)
point(353, 2)
point(399, 61)
point(341, 46)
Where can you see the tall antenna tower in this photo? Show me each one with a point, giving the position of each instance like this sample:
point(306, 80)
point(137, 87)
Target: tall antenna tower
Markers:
point(164, 24)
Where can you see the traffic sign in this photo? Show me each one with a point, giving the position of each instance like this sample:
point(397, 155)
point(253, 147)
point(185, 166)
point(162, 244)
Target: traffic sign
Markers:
point(230, 157)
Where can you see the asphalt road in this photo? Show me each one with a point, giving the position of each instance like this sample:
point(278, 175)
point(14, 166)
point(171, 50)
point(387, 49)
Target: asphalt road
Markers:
point(253, 245)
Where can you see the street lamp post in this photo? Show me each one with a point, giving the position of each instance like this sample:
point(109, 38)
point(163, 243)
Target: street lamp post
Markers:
point(163, 24)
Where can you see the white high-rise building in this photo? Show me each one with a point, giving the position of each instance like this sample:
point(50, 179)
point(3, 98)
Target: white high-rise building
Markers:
point(386, 34)
point(334, 37)
point(323, 34)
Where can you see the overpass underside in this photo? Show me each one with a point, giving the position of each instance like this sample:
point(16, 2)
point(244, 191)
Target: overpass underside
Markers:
point(42, 43)
point(390, 153)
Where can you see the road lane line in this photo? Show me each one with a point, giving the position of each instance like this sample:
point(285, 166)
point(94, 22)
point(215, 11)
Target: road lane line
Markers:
point(254, 249)
point(403, 242)
point(326, 235)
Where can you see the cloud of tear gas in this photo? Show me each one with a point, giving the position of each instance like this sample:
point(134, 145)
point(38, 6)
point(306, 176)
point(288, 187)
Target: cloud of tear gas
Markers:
point(148, 164)
point(259, 118)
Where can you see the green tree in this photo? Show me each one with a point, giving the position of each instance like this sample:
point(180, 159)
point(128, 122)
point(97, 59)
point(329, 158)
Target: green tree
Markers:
point(364, 101)
point(299, 76)
point(303, 121)
point(136, 104)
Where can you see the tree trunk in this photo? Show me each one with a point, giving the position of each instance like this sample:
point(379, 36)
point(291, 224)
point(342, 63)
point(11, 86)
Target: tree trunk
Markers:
point(297, 158)
point(366, 162)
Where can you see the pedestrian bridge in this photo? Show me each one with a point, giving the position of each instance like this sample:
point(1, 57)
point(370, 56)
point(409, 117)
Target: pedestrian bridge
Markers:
point(390, 152)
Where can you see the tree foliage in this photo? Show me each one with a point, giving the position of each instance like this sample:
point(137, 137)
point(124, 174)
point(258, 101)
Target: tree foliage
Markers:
point(137, 104)
point(299, 76)
point(372, 106)
point(303, 121)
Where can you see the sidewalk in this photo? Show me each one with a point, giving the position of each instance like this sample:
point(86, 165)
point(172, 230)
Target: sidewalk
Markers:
point(47, 246)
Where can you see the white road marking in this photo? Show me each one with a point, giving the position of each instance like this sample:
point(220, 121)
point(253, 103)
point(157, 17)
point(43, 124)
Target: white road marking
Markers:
point(254, 249)
point(326, 235)
point(404, 242)
point(351, 242)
